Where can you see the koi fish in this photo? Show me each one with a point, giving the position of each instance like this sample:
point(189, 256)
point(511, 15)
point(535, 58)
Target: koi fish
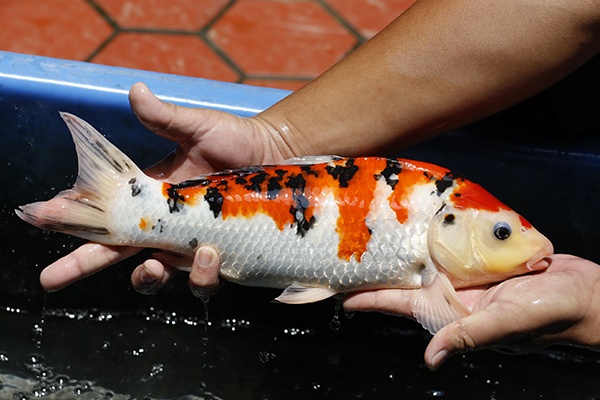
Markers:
point(314, 226)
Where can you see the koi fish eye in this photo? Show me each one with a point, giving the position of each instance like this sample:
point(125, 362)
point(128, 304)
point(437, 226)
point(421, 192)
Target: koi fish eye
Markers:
point(502, 231)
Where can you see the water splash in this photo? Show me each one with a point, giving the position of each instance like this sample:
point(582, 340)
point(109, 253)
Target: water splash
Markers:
point(205, 300)
point(38, 328)
point(335, 323)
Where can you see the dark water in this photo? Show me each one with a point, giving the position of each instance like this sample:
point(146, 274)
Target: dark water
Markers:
point(99, 339)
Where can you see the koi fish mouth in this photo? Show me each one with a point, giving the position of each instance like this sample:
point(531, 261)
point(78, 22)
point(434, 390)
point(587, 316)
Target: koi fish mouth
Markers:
point(538, 262)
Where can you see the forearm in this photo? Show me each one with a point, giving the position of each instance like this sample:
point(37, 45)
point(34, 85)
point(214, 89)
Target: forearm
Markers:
point(440, 65)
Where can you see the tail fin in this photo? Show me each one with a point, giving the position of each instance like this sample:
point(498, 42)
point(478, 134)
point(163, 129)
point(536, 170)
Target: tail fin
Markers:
point(84, 210)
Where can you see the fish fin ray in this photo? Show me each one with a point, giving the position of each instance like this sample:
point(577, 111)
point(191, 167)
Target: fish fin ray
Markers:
point(84, 210)
point(436, 305)
point(298, 294)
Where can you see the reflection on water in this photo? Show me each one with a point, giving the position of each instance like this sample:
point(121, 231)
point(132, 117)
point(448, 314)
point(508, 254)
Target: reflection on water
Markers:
point(160, 354)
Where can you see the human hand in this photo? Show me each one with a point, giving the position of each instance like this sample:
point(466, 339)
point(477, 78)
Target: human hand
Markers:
point(558, 305)
point(207, 141)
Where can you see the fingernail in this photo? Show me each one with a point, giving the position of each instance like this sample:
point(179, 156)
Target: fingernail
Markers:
point(438, 358)
point(205, 258)
point(147, 278)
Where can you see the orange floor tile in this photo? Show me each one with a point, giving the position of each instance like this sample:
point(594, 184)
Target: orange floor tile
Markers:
point(277, 43)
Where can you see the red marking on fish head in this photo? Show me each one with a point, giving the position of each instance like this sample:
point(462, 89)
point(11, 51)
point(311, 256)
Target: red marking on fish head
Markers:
point(469, 195)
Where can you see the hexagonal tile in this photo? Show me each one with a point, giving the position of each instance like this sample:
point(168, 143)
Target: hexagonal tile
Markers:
point(68, 29)
point(370, 16)
point(169, 53)
point(282, 38)
point(172, 14)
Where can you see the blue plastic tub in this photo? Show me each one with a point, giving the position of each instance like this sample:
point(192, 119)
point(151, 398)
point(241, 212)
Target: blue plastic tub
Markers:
point(100, 338)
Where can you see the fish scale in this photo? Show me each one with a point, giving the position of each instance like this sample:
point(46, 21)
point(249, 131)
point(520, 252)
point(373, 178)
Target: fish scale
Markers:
point(314, 226)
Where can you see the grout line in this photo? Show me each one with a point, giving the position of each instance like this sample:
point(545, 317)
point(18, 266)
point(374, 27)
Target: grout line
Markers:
point(345, 24)
point(103, 14)
point(203, 34)
point(102, 45)
point(111, 22)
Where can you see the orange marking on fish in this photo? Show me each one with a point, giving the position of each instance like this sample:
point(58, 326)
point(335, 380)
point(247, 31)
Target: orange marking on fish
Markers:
point(354, 204)
point(525, 223)
point(413, 173)
point(190, 195)
point(470, 195)
point(246, 199)
point(143, 224)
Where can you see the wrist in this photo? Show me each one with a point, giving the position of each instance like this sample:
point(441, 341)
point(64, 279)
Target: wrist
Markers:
point(284, 138)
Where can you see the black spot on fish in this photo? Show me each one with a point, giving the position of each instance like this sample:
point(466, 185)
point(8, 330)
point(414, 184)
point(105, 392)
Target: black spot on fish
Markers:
point(240, 180)
point(255, 182)
point(449, 219)
point(296, 182)
point(135, 188)
point(343, 173)
point(309, 170)
point(300, 204)
point(392, 167)
point(214, 198)
point(175, 200)
point(274, 184)
point(298, 210)
point(444, 183)
point(193, 243)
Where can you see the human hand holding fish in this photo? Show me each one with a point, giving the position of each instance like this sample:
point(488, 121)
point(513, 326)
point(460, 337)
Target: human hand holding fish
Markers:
point(328, 224)
point(558, 305)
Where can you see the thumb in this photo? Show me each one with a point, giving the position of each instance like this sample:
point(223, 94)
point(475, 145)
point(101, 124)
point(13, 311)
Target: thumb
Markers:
point(168, 120)
point(480, 329)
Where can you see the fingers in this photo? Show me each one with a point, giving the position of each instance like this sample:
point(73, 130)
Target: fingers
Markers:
point(390, 301)
point(479, 330)
point(204, 276)
point(151, 276)
point(84, 261)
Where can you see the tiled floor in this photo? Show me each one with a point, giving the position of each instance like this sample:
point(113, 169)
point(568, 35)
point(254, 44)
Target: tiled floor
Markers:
point(277, 43)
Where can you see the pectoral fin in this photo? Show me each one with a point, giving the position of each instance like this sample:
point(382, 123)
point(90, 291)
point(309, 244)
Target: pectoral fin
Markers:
point(298, 294)
point(436, 305)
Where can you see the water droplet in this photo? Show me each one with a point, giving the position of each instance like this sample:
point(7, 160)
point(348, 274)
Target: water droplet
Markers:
point(3, 357)
point(335, 323)
point(265, 356)
point(436, 393)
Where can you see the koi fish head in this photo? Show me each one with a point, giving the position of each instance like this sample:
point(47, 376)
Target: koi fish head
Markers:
point(477, 243)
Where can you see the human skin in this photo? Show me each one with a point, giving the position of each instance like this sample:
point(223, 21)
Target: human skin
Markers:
point(436, 67)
